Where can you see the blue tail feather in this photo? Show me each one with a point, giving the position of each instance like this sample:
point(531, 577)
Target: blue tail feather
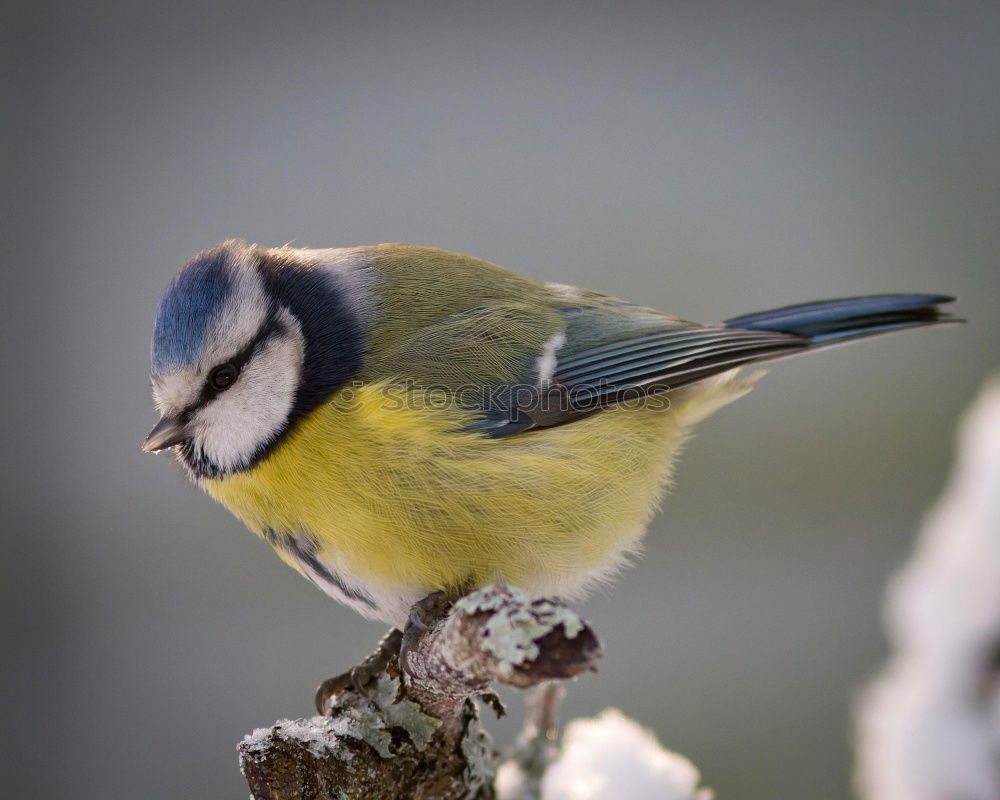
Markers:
point(830, 321)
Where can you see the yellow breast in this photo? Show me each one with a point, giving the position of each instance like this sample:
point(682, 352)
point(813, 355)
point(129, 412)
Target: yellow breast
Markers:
point(399, 497)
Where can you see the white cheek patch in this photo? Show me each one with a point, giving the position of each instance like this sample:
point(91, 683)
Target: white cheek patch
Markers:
point(231, 429)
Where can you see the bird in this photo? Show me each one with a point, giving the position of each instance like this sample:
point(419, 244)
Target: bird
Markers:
point(397, 420)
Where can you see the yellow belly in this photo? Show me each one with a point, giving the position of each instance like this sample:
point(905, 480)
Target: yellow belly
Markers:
point(397, 498)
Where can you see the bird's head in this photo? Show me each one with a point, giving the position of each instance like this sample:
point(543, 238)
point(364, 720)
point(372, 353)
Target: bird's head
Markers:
point(247, 340)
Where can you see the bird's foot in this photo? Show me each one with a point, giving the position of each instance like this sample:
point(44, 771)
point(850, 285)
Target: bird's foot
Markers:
point(393, 648)
point(361, 676)
point(423, 615)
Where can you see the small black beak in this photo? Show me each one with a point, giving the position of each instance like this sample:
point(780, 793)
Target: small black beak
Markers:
point(166, 433)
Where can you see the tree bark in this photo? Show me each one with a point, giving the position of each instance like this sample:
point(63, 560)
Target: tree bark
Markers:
point(417, 733)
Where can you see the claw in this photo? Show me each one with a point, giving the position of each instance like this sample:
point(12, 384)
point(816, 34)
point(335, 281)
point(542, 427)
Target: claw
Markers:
point(329, 689)
point(359, 677)
point(421, 618)
point(417, 619)
point(363, 675)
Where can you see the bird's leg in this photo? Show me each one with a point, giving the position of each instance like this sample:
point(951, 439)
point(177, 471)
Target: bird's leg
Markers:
point(360, 676)
point(395, 643)
point(423, 614)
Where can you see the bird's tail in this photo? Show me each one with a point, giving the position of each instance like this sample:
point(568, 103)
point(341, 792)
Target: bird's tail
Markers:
point(832, 322)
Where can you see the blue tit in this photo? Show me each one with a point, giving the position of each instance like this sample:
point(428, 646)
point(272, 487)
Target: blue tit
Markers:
point(397, 420)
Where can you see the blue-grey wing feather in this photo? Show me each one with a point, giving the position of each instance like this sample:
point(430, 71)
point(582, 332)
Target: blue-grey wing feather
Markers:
point(616, 351)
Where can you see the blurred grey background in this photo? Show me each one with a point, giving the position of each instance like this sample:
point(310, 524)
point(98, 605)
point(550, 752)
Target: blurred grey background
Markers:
point(706, 158)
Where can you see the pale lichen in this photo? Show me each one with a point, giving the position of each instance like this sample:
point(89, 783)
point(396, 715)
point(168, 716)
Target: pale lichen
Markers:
point(404, 713)
point(477, 749)
point(516, 623)
point(371, 725)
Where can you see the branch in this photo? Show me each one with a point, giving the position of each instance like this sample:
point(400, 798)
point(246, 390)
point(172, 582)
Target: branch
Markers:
point(417, 733)
point(535, 748)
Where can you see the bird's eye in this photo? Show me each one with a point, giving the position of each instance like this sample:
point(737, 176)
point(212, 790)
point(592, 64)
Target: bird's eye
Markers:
point(222, 377)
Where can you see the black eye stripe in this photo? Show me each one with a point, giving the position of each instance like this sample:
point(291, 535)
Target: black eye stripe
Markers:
point(271, 327)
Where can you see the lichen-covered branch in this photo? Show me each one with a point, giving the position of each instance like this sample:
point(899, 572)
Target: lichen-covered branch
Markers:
point(499, 634)
point(417, 733)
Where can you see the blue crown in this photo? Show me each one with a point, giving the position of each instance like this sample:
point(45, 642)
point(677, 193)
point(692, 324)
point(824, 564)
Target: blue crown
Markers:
point(188, 306)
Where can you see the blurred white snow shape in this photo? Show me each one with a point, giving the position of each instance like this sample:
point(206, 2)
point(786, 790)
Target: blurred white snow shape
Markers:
point(612, 758)
point(929, 726)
